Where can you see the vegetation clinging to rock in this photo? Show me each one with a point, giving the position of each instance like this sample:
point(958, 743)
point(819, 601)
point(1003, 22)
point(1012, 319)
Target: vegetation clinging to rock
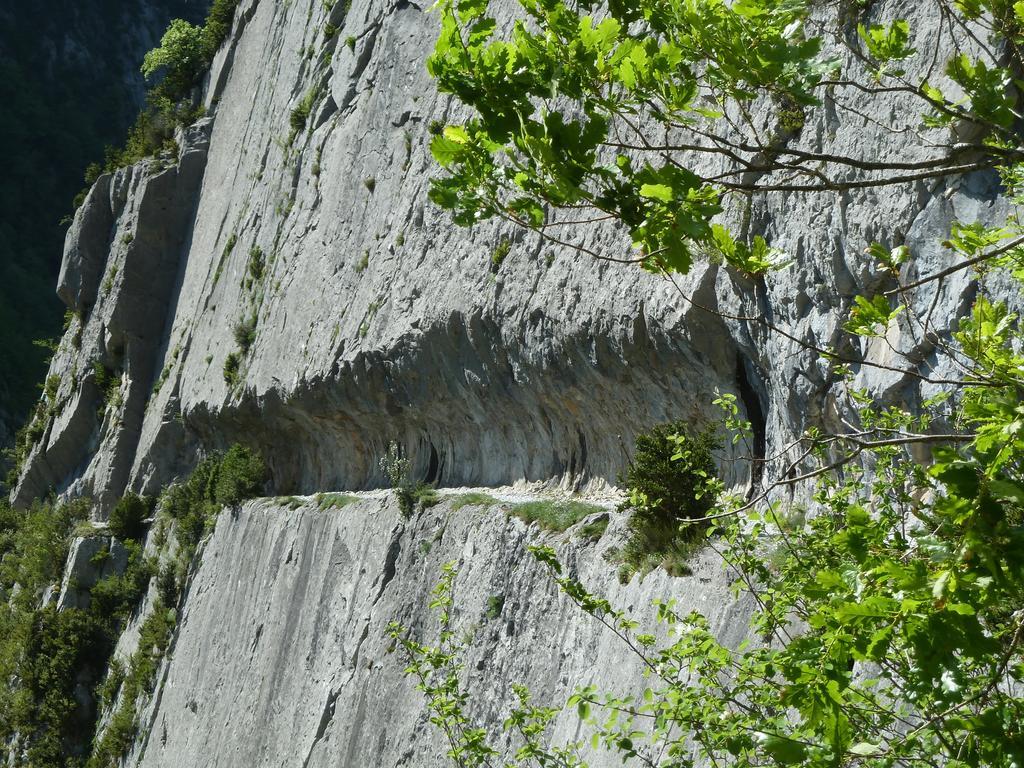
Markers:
point(232, 365)
point(410, 493)
point(672, 481)
point(46, 655)
point(554, 515)
point(127, 519)
point(218, 481)
point(182, 58)
point(886, 628)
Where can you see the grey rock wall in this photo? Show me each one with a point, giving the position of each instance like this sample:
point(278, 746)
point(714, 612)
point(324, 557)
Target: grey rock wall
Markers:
point(90, 559)
point(119, 272)
point(75, 88)
point(282, 657)
point(375, 319)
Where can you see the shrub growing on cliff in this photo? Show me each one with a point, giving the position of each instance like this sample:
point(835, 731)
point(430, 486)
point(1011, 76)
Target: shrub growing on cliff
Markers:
point(112, 599)
point(111, 686)
point(219, 480)
point(151, 133)
point(887, 628)
point(395, 467)
point(410, 494)
point(671, 480)
point(255, 267)
point(241, 475)
point(127, 518)
point(501, 250)
point(108, 382)
point(180, 57)
point(244, 332)
point(232, 365)
point(167, 585)
point(218, 25)
point(300, 115)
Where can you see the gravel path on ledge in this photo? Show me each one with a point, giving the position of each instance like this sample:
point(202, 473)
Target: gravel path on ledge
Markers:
point(608, 498)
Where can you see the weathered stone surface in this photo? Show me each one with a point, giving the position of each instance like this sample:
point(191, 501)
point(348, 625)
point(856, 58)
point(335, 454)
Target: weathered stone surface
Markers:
point(377, 320)
point(485, 378)
point(283, 659)
point(141, 219)
point(74, 66)
point(86, 248)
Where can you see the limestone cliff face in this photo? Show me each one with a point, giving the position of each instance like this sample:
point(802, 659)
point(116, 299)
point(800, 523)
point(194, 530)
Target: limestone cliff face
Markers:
point(72, 86)
point(282, 657)
point(283, 282)
point(375, 319)
point(119, 274)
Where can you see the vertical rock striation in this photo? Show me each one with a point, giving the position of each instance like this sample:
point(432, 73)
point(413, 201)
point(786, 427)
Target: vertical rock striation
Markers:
point(72, 86)
point(282, 657)
point(119, 272)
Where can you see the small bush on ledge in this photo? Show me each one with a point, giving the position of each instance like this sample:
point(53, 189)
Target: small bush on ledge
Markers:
point(242, 475)
point(673, 479)
point(232, 364)
point(127, 519)
point(218, 481)
point(410, 493)
point(244, 332)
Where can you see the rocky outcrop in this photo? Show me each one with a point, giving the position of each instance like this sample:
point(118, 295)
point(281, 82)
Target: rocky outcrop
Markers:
point(324, 308)
point(74, 66)
point(373, 319)
point(86, 249)
point(90, 559)
point(120, 270)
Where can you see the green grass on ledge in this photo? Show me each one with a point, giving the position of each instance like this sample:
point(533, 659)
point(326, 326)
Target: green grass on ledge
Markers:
point(554, 516)
point(325, 501)
point(474, 499)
